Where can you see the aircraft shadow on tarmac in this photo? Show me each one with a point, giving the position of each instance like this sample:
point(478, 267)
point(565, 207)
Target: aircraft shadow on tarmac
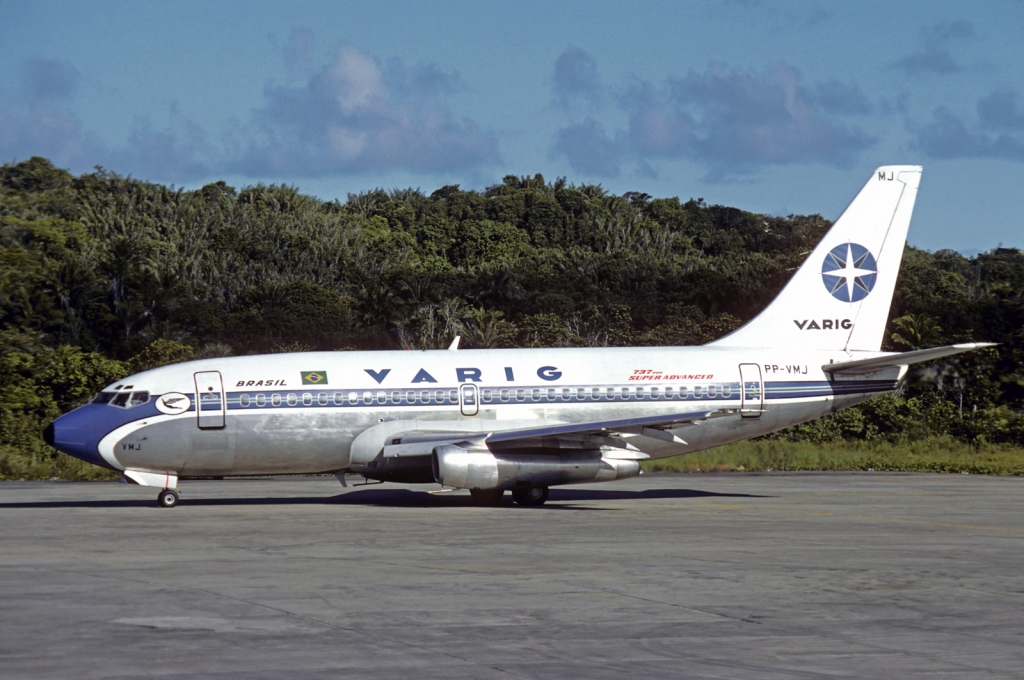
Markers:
point(397, 498)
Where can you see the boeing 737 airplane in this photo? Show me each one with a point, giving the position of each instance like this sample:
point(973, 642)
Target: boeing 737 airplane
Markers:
point(523, 420)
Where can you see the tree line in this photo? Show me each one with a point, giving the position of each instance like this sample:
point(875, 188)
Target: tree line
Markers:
point(102, 274)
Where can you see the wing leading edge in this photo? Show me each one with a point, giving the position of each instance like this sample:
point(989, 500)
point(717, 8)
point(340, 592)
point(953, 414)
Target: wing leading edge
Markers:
point(612, 434)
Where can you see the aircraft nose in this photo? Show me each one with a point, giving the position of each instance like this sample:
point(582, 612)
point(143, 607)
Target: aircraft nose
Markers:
point(78, 434)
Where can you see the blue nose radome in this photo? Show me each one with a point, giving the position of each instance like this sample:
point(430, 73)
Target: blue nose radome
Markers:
point(78, 433)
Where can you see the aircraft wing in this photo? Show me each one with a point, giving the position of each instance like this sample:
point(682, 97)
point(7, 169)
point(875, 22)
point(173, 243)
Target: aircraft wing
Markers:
point(612, 433)
point(862, 366)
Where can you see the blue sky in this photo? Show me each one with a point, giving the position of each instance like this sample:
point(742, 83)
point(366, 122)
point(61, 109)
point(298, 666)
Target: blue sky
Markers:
point(773, 107)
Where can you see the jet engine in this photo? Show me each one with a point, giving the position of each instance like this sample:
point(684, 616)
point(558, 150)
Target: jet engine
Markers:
point(480, 468)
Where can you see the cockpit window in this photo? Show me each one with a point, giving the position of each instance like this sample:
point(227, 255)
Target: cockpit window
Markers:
point(122, 399)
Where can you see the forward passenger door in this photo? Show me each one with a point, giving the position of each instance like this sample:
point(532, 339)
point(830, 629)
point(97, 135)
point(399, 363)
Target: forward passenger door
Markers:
point(210, 402)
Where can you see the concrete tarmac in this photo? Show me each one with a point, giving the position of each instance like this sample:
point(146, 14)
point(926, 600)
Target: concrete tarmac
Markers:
point(867, 575)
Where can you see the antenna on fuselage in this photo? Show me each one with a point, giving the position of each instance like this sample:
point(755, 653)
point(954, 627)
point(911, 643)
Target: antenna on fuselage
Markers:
point(455, 343)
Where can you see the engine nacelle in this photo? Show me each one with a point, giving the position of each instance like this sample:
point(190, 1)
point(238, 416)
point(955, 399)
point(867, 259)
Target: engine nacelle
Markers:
point(483, 469)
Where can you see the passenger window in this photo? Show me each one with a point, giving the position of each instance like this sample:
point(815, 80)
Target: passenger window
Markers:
point(322, 398)
point(139, 398)
point(639, 393)
point(353, 398)
point(396, 397)
point(624, 392)
point(439, 397)
point(683, 392)
point(581, 393)
point(609, 392)
point(339, 398)
point(367, 397)
point(595, 393)
point(698, 391)
point(551, 394)
point(487, 396)
point(712, 390)
point(275, 399)
point(410, 397)
point(669, 393)
point(536, 395)
point(520, 395)
point(382, 397)
point(425, 397)
point(565, 394)
point(654, 393)
point(504, 395)
point(726, 390)
point(307, 399)
point(453, 396)
point(243, 400)
point(261, 400)
point(292, 399)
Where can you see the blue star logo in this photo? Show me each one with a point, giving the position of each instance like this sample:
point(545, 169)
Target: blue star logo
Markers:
point(849, 272)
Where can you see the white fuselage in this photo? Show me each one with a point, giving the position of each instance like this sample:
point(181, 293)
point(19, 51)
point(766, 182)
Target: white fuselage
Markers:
point(300, 413)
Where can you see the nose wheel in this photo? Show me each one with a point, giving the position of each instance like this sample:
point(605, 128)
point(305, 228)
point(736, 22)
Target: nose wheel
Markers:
point(167, 498)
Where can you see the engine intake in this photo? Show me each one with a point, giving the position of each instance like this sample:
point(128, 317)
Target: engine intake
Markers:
point(480, 468)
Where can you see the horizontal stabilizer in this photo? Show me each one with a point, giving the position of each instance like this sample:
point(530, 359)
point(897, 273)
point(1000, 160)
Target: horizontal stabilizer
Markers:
point(861, 366)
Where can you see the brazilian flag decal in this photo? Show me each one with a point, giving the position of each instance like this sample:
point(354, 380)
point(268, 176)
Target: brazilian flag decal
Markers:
point(314, 377)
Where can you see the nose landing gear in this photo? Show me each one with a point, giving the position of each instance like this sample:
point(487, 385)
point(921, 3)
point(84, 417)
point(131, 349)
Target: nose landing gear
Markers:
point(167, 498)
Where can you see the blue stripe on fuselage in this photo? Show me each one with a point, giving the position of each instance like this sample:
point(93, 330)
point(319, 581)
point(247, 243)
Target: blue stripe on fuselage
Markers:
point(540, 395)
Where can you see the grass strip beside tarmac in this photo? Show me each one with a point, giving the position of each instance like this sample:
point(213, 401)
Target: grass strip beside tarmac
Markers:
point(934, 454)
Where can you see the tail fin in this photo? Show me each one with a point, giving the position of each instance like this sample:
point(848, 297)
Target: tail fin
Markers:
point(839, 298)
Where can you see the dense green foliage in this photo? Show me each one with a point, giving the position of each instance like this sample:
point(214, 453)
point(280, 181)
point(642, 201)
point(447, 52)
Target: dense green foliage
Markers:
point(101, 274)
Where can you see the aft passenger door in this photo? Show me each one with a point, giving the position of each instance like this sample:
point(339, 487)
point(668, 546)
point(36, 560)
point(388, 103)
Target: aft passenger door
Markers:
point(751, 391)
point(469, 399)
point(210, 401)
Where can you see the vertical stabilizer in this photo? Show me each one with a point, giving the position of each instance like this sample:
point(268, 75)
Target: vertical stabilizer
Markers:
point(839, 298)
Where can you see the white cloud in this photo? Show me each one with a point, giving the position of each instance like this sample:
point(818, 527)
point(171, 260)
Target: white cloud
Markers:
point(935, 55)
point(576, 77)
point(734, 121)
point(354, 116)
point(999, 132)
point(349, 115)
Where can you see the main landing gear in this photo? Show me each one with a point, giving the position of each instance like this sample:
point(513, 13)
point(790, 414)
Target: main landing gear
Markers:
point(533, 495)
point(167, 498)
